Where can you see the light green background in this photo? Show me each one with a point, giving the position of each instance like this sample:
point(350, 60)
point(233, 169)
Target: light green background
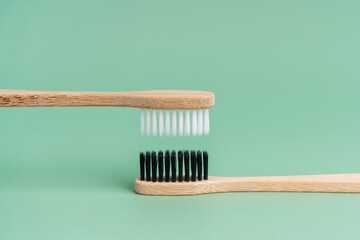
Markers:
point(286, 75)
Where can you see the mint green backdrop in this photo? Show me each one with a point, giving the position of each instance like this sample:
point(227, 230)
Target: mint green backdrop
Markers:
point(286, 75)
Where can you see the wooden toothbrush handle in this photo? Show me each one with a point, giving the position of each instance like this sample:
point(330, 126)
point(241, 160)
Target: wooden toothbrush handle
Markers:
point(345, 183)
point(342, 183)
point(157, 99)
point(26, 98)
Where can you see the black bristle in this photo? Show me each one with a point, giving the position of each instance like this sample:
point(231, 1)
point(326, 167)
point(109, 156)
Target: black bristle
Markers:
point(147, 166)
point(161, 166)
point(167, 166)
point(199, 165)
point(187, 164)
point(153, 166)
point(173, 166)
point(193, 166)
point(206, 161)
point(180, 166)
point(142, 166)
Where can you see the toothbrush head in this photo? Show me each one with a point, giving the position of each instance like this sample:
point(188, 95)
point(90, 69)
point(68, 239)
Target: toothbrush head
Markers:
point(185, 173)
point(176, 113)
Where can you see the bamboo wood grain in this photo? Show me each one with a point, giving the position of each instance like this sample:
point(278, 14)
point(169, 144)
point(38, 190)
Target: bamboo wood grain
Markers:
point(157, 99)
point(341, 183)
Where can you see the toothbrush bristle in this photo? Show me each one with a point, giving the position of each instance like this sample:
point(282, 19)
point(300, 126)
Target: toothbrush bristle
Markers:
point(194, 123)
point(180, 165)
point(206, 163)
point(148, 122)
point(152, 166)
point(187, 166)
point(193, 166)
point(181, 122)
point(187, 123)
point(174, 123)
point(167, 166)
point(170, 123)
point(200, 125)
point(173, 166)
point(161, 166)
point(142, 121)
point(154, 122)
point(199, 165)
point(161, 123)
point(142, 167)
point(147, 166)
point(206, 122)
point(167, 123)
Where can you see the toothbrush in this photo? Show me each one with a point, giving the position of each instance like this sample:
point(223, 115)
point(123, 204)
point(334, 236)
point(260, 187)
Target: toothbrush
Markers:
point(162, 112)
point(195, 179)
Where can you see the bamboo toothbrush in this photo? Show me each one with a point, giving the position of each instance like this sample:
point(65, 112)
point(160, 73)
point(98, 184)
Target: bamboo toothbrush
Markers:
point(158, 108)
point(195, 180)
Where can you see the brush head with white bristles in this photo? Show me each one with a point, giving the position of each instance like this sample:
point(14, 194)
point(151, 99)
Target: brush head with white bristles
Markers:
point(174, 122)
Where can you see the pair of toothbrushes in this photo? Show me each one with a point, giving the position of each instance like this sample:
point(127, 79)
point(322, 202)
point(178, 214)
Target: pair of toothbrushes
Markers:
point(158, 105)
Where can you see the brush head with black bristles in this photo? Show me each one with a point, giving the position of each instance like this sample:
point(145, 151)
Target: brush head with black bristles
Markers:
point(195, 164)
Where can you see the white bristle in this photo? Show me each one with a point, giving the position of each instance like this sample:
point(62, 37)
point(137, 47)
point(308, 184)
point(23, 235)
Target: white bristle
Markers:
point(187, 123)
point(142, 121)
point(148, 122)
point(167, 123)
point(194, 123)
point(200, 122)
point(154, 122)
point(181, 122)
point(161, 123)
point(206, 122)
point(173, 123)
